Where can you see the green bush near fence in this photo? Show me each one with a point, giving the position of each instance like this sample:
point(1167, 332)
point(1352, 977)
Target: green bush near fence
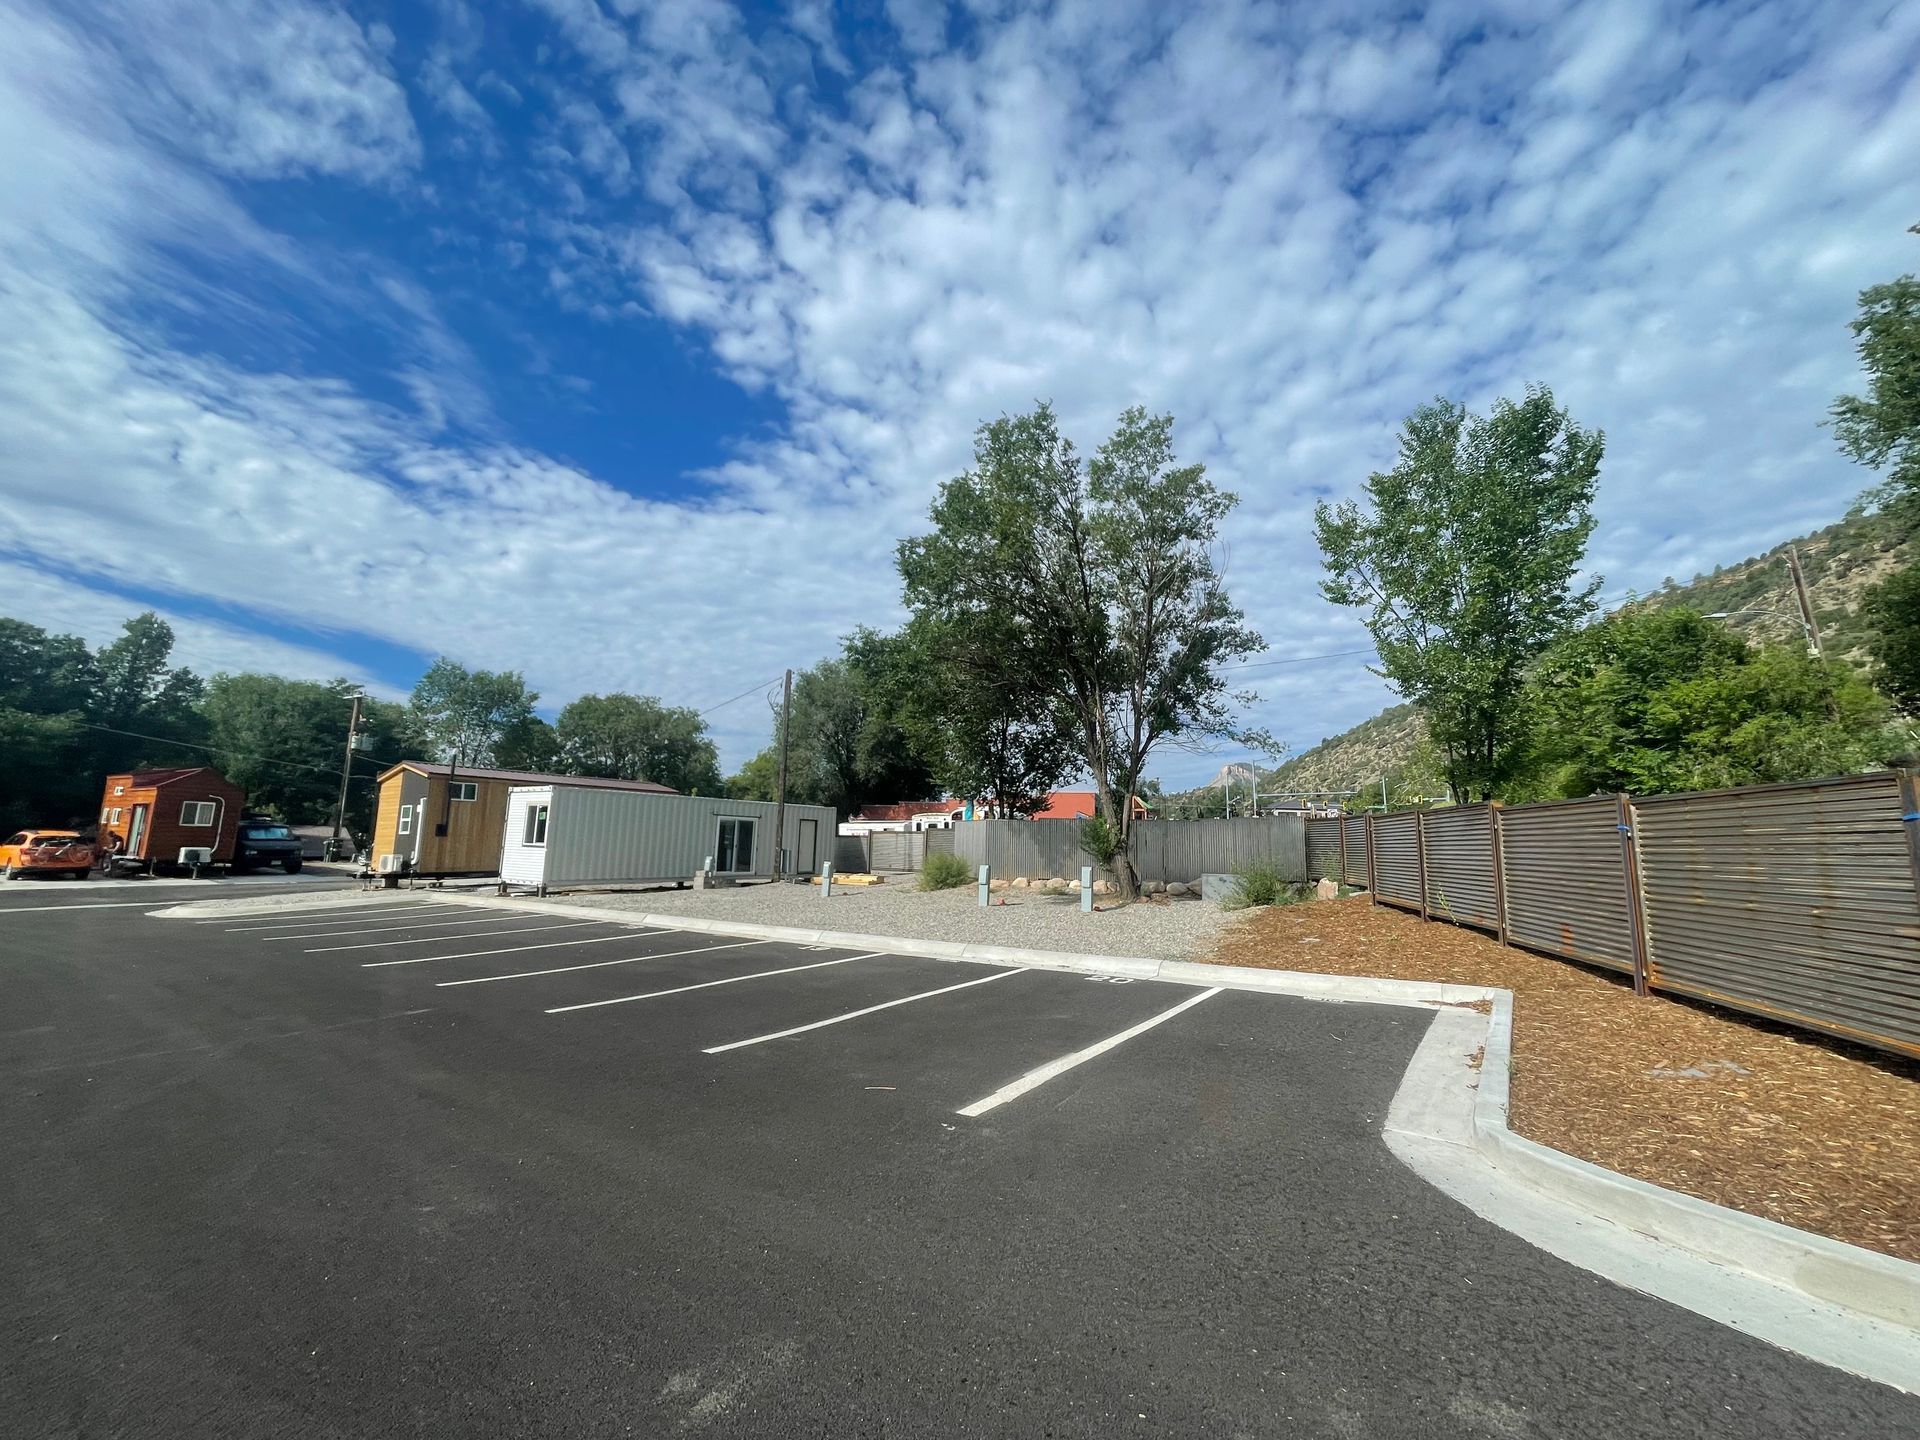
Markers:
point(943, 871)
point(1261, 883)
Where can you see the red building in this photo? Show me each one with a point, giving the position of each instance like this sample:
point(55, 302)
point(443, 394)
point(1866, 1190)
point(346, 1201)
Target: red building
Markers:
point(155, 814)
point(1079, 805)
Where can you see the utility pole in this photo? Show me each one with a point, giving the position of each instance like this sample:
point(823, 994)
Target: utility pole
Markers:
point(1807, 622)
point(346, 771)
point(780, 795)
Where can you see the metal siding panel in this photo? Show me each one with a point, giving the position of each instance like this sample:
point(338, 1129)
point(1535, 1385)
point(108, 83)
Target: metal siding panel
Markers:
point(1326, 856)
point(1460, 866)
point(1794, 902)
point(1566, 881)
point(625, 837)
point(1353, 840)
point(1396, 859)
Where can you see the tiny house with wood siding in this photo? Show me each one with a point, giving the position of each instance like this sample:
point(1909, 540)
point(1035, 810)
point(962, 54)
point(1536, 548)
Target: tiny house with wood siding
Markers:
point(447, 819)
point(152, 815)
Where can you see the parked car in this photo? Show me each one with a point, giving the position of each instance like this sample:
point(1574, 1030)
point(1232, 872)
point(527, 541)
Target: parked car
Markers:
point(265, 841)
point(46, 852)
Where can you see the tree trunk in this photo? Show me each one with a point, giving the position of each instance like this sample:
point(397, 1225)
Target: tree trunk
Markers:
point(1126, 881)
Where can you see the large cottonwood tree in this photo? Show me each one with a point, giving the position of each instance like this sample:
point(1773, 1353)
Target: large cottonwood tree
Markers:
point(1099, 582)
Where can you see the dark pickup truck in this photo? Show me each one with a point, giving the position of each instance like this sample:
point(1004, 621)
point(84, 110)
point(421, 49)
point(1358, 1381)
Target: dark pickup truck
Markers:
point(265, 841)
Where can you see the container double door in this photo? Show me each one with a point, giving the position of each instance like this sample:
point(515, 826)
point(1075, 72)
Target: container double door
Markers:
point(733, 846)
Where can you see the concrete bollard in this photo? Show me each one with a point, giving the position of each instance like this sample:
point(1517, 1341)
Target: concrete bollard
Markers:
point(826, 881)
point(1086, 889)
point(986, 886)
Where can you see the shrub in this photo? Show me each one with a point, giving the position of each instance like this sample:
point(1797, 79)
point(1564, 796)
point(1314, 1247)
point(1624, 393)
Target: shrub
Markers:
point(1100, 838)
point(943, 871)
point(1261, 884)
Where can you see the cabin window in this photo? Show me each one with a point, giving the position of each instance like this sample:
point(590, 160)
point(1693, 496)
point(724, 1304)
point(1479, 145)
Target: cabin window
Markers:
point(536, 831)
point(406, 819)
point(464, 790)
point(119, 789)
point(733, 850)
point(196, 813)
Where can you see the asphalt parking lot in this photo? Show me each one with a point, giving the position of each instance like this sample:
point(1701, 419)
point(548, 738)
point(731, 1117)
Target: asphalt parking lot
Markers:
point(402, 1167)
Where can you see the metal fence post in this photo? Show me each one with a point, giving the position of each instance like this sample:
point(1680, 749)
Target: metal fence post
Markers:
point(1497, 839)
point(1636, 901)
point(986, 886)
point(1420, 850)
point(1086, 889)
point(1373, 890)
point(1910, 823)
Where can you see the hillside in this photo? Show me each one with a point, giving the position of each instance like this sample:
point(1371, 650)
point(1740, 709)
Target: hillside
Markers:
point(1841, 561)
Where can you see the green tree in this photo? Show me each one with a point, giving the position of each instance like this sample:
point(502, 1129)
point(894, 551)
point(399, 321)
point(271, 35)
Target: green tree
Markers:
point(759, 779)
point(1881, 429)
point(465, 715)
point(280, 741)
point(46, 682)
point(530, 743)
point(1892, 608)
point(1100, 580)
point(1657, 701)
point(1464, 562)
point(845, 745)
point(988, 728)
point(137, 688)
point(635, 737)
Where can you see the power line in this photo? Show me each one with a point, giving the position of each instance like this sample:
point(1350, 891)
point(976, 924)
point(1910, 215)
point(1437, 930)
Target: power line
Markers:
point(223, 749)
point(1303, 659)
point(741, 696)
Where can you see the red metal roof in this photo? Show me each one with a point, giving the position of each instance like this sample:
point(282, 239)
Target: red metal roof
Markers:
point(529, 777)
point(154, 779)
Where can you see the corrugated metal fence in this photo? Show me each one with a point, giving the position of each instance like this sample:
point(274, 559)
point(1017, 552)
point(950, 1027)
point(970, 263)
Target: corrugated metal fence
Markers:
point(1163, 850)
point(1800, 903)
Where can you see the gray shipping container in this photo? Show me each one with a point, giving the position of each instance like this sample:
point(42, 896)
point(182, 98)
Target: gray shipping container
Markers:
point(562, 836)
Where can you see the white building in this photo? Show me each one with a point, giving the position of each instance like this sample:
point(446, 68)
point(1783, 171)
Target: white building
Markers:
point(561, 836)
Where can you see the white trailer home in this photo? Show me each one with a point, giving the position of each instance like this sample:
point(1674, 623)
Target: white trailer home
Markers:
point(560, 836)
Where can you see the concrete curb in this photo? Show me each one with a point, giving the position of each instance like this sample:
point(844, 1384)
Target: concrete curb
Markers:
point(1836, 1303)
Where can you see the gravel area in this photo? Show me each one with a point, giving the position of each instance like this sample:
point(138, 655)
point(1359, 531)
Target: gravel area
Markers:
point(1151, 929)
point(1816, 1134)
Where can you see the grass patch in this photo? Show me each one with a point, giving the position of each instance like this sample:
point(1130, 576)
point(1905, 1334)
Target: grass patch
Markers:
point(944, 872)
point(1262, 884)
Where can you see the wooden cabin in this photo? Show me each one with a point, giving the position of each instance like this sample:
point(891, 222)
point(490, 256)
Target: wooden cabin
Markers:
point(155, 814)
point(447, 820)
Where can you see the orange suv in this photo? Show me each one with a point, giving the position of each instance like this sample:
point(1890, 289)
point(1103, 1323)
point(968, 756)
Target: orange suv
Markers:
point(46, 852)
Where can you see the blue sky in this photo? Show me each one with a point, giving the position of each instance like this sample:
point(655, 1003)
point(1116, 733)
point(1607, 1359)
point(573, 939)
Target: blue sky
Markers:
point(618, 342)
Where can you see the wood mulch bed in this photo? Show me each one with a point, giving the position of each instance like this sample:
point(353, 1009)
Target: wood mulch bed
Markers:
point(1819, 1135)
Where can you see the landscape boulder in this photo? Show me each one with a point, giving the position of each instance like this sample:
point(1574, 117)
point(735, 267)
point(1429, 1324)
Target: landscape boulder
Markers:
point(1327, 889)
point(1176, 887)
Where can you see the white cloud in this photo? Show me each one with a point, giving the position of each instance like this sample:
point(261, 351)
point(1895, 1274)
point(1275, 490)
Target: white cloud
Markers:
point(203, 646)
point(269, 87)
point(1285, 233)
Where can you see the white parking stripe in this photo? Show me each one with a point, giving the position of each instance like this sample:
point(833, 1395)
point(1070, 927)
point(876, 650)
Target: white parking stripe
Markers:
point(57, 907)
point(505, 950)
point(1033, 1079)
point(447, 939)
point(327, 915)
point(381, 929)
point(703, 985)
point(856, 1014)
point(599, 964)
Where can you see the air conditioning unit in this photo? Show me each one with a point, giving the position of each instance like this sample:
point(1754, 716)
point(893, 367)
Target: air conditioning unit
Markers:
point(393, 864)
point(194, 855)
